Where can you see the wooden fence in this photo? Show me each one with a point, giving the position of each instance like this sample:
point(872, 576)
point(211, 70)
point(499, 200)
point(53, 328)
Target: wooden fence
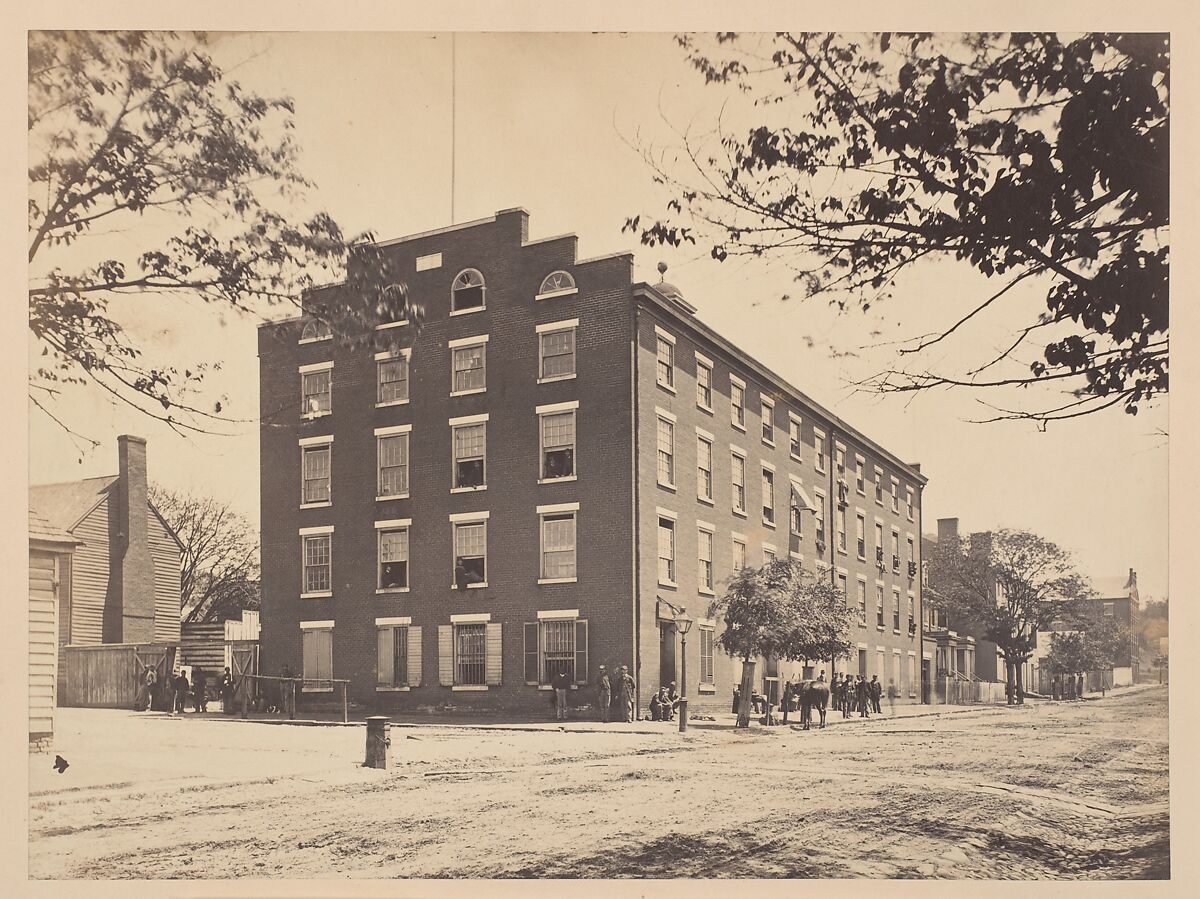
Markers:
point(107, 676)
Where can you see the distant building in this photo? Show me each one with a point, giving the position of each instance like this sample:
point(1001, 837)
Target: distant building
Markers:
point(122, 583)
point(543, 477)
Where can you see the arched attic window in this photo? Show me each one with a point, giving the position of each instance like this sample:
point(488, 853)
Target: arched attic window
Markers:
point(467, 293)
point(556, 282)
point(315, 329)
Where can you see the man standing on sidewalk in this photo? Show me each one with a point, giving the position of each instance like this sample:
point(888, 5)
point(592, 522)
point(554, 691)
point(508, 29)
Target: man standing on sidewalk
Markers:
point(603, 695)
point(862, 688)
point(562, 683)
point(891, 697)
point(876, 694)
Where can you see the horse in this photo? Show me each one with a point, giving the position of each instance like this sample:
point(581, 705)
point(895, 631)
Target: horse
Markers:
point(812, 693)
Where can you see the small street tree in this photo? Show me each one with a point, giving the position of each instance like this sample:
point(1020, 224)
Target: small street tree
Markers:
point(1009, 584)
point(219, 574)
point(780, 611)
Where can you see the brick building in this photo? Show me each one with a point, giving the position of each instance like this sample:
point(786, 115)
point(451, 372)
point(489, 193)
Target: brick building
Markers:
point(559, 460)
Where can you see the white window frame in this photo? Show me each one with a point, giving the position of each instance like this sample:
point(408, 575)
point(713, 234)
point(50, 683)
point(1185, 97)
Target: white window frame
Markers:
point(739, 540)
point(318, 532)
point(703, 362)
point(840, 526)
point(544, 294)
point(820, 523)
point(707, 630)
point(664, 418)
point(909, 497)
point(393, 526)
point(880, 607)
point(315, 369)
point(878, 486)
point(558, 511)
point(737, 411)
point(766, 407)
point(570, 326)
point(770, 552)
point(860, 534)
point(454, 287)
point(860, 475)
point(315, 444)
point(819, 460)
point(706, 577)
point(896, 495)
point(461, 520)
point(328, 626)
point(737, 455)
point(667, 339)
point(467, 343)
point(380, 360)
point(571, 407)
point(768, 493)
point(380, 434)
point(673, 559)
point(796, 444)
point(315, 323)
point(704, 437)
point(399, 623)
point(457, 424)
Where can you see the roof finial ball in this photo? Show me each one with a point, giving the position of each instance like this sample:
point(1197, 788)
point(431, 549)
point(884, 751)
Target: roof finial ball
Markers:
point(662, 271)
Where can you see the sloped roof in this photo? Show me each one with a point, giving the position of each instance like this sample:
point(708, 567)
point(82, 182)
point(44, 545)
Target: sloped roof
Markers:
point(64, 505)
point(41, 531)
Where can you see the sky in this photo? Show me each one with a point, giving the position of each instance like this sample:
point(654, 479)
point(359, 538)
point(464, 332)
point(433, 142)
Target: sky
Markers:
point(551, 123)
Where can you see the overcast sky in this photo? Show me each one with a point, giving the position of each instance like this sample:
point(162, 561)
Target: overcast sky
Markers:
point(545, 122)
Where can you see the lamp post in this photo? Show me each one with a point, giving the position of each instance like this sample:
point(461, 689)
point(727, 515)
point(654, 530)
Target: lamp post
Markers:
point(683, 624)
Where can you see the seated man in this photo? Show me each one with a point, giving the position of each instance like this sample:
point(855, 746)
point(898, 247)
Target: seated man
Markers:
point(672, 696)
point(656, 708)
point(758, 701)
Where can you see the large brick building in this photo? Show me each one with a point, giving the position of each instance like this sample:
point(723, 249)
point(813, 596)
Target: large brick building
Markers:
point(559, 460)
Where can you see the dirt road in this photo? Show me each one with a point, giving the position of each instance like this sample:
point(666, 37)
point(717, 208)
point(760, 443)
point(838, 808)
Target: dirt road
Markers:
point(1049, 790)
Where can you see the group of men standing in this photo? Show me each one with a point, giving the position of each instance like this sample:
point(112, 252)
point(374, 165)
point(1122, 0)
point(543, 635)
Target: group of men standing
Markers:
point(177, 690)
point(856, 694)
point(616, 691)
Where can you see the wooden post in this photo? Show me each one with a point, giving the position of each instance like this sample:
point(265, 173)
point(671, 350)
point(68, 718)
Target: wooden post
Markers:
point(291, 699)
point(245, 696)
point(345, 706)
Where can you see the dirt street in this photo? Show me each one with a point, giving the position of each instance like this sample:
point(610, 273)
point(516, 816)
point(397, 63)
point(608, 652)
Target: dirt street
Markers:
point(1048, 790)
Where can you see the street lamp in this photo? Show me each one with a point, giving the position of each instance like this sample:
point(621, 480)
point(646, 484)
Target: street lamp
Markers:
point(683, 624)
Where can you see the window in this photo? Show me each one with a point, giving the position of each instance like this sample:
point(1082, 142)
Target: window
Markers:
point(860, 524)
point(862, 602)
point(768, 496)
point(879, 486)
point(317, 564)
point(794, 438)
point(908, 502)
point(470, 449)
point(393, 465)
point(737, 403)
point(879, 605)
point(912, 557)
point(316, 329)
point(392, 374)
point(820, 515)
point(558, 546)
point(912, 622)
point(819, 449)
point(896, 552)
point(467, 293)
point(1109, 609)
point(470, 553)
point(554, 646)
point(317, 481)
point(316, 653)
point(558, 444)
point(768, 553)
point(470, 654)
point(704, 474)
point(665, 367)
point(707, 642)
point(794, 517)
point(895, 495)
point(843, 587)
point(704, 384)
point(879, 550)
point(739, 554)
point(470, 368)
point(840, 456)
point(391, 659)
point(393, 559)
point(556, 282)
point(860, 475)
point(666, 453)
point(841, 528)
point(429, 262)
point(768, 422)
point(666, 550)
point(896, 610)
point(556, 351)
point(317, 390)
point(738, 478)
point(705, 560)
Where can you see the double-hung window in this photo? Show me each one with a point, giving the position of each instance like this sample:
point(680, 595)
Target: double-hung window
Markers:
point(317, 561)
point(391, 370)
point(841, 527)
point(739, 552)
point(738, 479)
point(794, 440)
point(737, 402)
point(556, 350)
point(704, 556)
point(665, 364)
point(860, 475)
point(878, 605)
point(316, 477)
point(556, 644)
point(908, 501)
point(768, 496)
point(470, 549)
point(392, 569)
point(704, 380)
point(666, 549)
point(896, 610)
point(860, 524)
point(470, 452)
point(820, 516)
point(558, 542)
point(666, 449)
point(895, 551)
point(556, 425)
point(895, 495)
point(468, 365)
point(879, 486)
point(819, 449)
point(316, 389)
point(768, 421)
point(704, 468)
point(879, 547)
point(392, 455)
point(862, 602)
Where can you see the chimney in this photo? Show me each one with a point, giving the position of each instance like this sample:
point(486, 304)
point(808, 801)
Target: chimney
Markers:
point(515, 222)
point(947, 529)
point(133, 567)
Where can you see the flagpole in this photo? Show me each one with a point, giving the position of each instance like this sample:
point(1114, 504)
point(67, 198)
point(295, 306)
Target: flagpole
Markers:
point(453, 119)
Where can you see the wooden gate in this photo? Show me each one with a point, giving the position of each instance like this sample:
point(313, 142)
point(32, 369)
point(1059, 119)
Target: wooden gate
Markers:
point(243, 657)
point(109, 675)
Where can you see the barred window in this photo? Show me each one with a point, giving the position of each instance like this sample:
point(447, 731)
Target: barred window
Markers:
point(666, 550)
point(393, 380)
point(558, 545)
point(317, 390)
point(393, 559)
point(470, 368)
point(470, 549)
point(469, 455)
point(705, 559)
point(558, 445)
point(393, 465)
point(317, 578)
point(557, 649)
point(666, 452)
point(470, 654)
point(704, 473)
point(707, 670)
point(557, 353)
point(317, 481)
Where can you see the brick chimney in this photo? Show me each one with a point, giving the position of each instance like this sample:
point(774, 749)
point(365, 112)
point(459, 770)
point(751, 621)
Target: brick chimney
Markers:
point(132, 567)
point(947, 529)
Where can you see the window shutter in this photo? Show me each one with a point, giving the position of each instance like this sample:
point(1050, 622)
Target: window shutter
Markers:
point(324, 654)
point(446, 655)
point(414, 656)
point(309, 654)
point(383, 657)
point(495, 655)
point(531, 652)
point(581, 651)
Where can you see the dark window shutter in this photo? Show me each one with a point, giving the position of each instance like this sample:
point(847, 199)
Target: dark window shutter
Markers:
point(581, 651)
point(531, 652)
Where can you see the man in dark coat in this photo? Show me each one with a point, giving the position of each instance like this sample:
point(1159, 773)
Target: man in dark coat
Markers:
point(181, 691)
point(862, 688)
point(876, 694)
point(603, 694)
point(562, 683)
point(227, 692)
point(200, 687)
point(624, 694)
